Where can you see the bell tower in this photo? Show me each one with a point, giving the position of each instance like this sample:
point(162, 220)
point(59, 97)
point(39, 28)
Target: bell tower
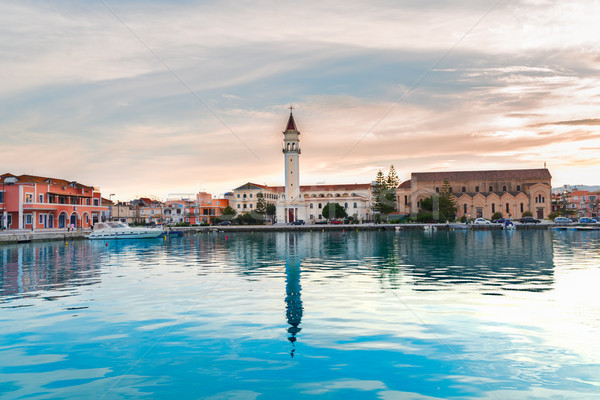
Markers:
point(291, 153)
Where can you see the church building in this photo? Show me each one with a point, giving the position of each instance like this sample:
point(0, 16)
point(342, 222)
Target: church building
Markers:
point(295, 202)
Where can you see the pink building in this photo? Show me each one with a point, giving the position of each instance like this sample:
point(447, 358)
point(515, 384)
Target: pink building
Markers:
point(35, 202)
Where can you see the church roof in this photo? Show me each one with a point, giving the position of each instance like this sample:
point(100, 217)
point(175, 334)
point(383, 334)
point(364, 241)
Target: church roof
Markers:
point(291, 125)
point(499, 175)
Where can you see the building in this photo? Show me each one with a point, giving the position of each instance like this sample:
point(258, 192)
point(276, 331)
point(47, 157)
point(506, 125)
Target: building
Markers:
point(295, 202)
point(202, 209)
point(581, 203)
point(35, 202)
point(480, 194)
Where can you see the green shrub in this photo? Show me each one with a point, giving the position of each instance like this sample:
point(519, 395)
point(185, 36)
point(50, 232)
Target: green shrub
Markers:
point(553, 215)
point(497, 215)
point(527, 214)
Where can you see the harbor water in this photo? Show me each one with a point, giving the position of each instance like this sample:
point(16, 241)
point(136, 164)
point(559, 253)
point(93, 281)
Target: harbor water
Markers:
point(334, 315)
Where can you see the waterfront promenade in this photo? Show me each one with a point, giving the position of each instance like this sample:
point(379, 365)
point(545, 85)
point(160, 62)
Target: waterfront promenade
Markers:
point(23, 236)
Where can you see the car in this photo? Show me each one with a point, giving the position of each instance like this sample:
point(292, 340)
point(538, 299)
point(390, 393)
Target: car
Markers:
point(481, 221)
point(225, 223)
point(562, 220)
point(500, 220)
point(529, 220)
point(298, 222)
point(336, 221)
point(586, 220)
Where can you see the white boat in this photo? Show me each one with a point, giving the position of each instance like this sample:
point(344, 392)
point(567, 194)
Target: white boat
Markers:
point(120, 230)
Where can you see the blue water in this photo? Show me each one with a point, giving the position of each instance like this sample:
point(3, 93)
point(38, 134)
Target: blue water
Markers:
point(360, 315)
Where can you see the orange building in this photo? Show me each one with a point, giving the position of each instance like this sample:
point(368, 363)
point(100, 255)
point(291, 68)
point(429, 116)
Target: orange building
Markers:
point(35, 202)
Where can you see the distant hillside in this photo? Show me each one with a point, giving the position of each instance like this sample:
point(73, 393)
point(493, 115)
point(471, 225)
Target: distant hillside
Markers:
point(571, 188)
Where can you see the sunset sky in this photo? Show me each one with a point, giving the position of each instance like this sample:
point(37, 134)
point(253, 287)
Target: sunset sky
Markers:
point(158, 98)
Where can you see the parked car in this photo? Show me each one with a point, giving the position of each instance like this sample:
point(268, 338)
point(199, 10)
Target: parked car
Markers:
point(586, 220)
point(481, 221)
point(500, 220)
point(298, 222)
point(224, 223)
point(562, 220)
point(529, 220)
point(336, 221)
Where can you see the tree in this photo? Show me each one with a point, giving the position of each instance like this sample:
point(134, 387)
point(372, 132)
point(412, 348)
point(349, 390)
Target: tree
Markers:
point(392, 178)
point(271, 211)
point(229, 211)
point(497, 215)
point(227, 214)
point(261, 204)
point(440, 208)
point(384, 192)
point(334, 210)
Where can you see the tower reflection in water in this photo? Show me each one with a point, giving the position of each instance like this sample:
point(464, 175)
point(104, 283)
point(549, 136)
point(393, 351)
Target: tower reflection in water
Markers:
point(293, 300)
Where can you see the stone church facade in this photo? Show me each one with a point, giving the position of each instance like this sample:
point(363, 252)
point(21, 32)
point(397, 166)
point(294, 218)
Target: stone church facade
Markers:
point(480, 194)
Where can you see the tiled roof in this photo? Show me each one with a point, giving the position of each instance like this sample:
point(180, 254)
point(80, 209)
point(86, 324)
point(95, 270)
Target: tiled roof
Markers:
point(308, 188)
point(45, 180)
point(291, 125)
point(497, 175)
point(405, 185)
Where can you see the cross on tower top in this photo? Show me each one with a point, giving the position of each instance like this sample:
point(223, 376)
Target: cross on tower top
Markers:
point(291, 108)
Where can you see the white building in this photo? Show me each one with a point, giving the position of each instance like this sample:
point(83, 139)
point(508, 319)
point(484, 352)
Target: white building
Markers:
point(295, 202)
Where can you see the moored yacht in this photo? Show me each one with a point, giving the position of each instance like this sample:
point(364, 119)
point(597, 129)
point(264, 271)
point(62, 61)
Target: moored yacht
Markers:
point(120, 230)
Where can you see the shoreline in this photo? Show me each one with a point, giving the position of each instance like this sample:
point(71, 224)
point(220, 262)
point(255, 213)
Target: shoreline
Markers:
point(8, 237)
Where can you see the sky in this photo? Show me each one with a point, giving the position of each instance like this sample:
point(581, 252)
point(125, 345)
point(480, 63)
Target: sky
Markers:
point(160, 98)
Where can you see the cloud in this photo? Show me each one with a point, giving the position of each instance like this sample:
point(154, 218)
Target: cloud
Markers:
point(85, 96)
point(589, 121)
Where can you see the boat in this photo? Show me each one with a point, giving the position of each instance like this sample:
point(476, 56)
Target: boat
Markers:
point(120, 230)
point(508, 225)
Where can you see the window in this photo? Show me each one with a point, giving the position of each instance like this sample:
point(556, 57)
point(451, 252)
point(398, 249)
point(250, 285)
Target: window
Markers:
point(311, 206)
point(28, 219)
point(518, 188)
point(244, 205)
point(504, 188)
point(405, 199)
point(28, 198)
point(464, 189)
point(437, 189)
point(41, 198)
point(250, 205)
point(493, 208)
point(238, 195)
point(477, 189)
point(345, 205)
point(41, 219)
point(1, 197)
point(320, 205)
point(238, 206)
point(355, 205)
point(96, 202)
point(521, 207)
point(507, 208)
point(491, 188)
point(244, 195)
point(465, 208)
point(250, 195)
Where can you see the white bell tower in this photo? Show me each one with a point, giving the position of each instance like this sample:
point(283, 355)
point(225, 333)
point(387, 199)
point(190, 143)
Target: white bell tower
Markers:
point(291, 207)
point(291, 153)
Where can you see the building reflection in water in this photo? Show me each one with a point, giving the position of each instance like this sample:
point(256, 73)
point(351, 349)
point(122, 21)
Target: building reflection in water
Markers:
point(293, 299)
